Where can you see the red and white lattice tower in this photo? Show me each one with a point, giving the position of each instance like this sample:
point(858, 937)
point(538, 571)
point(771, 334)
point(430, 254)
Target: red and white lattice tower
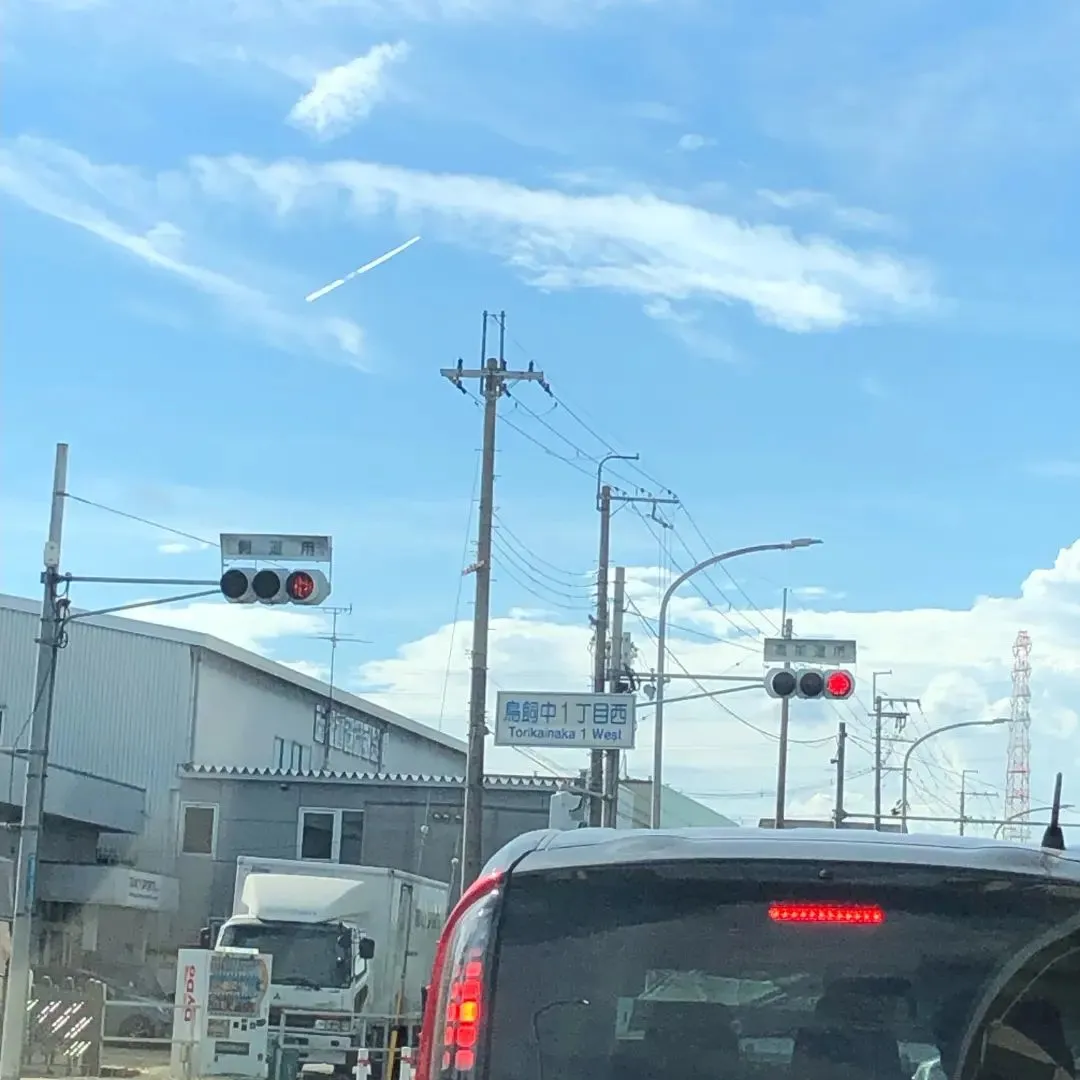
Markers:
point(1018, 771)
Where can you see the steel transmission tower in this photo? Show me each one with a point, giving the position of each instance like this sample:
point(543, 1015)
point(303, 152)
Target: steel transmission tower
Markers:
point(1018, 771)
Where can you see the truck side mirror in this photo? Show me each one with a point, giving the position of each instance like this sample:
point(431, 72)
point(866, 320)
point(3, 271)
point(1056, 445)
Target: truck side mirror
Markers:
point(365, 948)
point(204, 938)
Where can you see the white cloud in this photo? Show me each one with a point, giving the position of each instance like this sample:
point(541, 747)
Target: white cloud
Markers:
point(957, 662)
point(176, 547)
point(632, 243)
point(686, 327)
point(257, 629)
point(306, 667)
point(117, 205)
point(854, 218)
point(343, 95)
point(692, 142)
point(816, 593)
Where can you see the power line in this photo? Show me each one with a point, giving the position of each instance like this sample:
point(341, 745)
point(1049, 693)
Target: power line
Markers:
point(460, 591)
point(141, 520)
point(564, 578)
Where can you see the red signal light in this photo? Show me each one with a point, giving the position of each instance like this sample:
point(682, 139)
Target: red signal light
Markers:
point(840, 914)
point(839, 684)
point(300, 585)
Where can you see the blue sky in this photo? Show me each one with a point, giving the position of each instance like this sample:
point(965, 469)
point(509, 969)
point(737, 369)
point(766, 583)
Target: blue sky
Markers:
point(814, 261)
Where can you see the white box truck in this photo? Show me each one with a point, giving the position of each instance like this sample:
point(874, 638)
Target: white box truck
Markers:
point(352, 947)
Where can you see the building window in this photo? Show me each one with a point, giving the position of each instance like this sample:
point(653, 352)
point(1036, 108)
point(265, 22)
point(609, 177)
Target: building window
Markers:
point(331, 836)
point(198, 829)
point(351, 838)
point(279, 754)
point(317, 834)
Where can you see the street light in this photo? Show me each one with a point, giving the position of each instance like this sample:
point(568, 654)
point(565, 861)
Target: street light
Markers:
point(661, 653)
point(1026, 813)
point(923, 738)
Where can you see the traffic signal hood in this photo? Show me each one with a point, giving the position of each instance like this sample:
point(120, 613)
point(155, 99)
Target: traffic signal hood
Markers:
point(835, 684)
point(249, 585)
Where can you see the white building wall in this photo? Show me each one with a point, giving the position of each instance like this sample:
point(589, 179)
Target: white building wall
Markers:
point(134, 701)
point(122, 710)
point(241, 713)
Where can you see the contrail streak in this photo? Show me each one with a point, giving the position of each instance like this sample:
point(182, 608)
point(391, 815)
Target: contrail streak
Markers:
point(361, 270)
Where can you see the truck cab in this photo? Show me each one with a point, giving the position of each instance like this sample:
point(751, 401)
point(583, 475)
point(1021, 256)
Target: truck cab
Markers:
point(314, 927)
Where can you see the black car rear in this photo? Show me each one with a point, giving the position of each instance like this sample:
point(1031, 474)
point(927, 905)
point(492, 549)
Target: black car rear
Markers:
point(716, 967)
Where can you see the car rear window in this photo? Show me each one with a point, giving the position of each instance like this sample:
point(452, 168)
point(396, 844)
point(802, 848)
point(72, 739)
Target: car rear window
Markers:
point(712, 970)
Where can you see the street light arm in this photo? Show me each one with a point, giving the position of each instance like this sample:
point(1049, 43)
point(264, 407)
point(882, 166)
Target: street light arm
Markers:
point(686, 575)
point(923, 738)
point(661, 653)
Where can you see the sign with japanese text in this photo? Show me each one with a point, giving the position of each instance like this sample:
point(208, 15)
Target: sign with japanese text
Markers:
point(268, 546)
point(834, 653)
point(574, 721)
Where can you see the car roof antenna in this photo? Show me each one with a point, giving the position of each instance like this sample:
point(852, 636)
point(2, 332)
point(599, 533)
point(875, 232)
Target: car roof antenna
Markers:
point(1054, 837)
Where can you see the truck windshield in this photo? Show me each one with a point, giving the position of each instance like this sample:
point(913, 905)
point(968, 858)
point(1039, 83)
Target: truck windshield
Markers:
point(305, 954)
point(702, 971)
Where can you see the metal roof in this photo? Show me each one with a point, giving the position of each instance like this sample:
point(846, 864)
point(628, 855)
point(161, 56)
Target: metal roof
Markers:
point(607, 847)
point(251, 660)
point(243, 772)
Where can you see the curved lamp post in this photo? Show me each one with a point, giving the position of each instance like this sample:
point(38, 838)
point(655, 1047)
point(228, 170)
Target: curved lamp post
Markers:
point(923, 738)
point(661, 653)
point(1025, 813)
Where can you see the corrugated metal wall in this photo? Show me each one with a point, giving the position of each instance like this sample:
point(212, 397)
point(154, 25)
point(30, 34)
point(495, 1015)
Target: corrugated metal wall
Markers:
point(122, 709)
point(241, 711)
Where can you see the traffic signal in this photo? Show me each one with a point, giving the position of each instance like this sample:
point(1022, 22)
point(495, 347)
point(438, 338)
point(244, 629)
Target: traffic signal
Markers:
point(248, 585)
point(835, 684)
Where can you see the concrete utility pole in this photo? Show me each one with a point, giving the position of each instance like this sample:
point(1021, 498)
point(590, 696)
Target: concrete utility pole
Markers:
point(606, 497)
point(840, 762)
point(612, 757)
point(964, 774)
point(494, 379)
point(785, 713)
point(885, 708)
point(596, 757)
point(49, 641)
point(878, 761)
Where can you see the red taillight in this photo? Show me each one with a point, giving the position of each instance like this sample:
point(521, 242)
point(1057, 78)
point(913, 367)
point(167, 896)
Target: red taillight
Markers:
point(455, 999)
point(841, 914)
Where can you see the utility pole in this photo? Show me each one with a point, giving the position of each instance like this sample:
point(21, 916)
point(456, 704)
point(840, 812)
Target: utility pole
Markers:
point(596, 757)
point(494, 379)
point(878, 763)
point(964, 773)
point(885, 708)
point(606, 497)
point(781, 769)
point(49, 642)
point(840, 761)
point(612, 757)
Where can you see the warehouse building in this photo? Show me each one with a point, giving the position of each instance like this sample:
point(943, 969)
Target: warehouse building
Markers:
point(134, 701)
point(409, 822)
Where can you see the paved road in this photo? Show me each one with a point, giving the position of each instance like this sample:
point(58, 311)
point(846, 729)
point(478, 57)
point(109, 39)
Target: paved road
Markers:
point(146, 1064)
